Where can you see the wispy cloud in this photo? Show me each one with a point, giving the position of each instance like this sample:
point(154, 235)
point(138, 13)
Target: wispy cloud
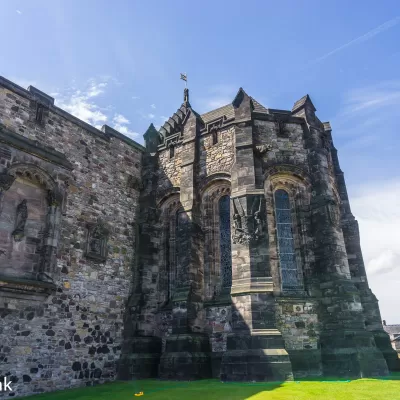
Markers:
point(376, 31)
point(135, 97)
point(81, 104)
point(218, 96)
point(84, 104)
point(377, 209)
point(120, 119)
point(153, 106)
point(367, 110)
point(120, 123)
point(382, 95)
point(18, 12)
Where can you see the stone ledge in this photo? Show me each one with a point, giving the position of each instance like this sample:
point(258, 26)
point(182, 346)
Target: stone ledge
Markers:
point(251, 285)
point(24, 288)
point(32, 147)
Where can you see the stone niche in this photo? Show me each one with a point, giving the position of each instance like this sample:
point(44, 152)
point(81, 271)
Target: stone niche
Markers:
point(23, 215)
point(97, 241)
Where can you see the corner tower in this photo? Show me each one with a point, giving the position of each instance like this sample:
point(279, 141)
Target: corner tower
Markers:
point(249, 264)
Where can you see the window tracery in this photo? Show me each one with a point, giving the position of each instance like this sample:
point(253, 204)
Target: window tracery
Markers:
point(286, 248)
point(217, 249)
point(225, 241)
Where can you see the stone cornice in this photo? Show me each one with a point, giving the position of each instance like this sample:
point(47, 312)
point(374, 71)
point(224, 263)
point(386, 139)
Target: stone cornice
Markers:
point(33, 147)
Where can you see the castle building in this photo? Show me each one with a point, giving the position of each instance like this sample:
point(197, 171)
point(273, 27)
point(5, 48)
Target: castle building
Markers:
point(225, 247)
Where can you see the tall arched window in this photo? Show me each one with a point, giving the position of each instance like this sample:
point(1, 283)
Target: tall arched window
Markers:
point(225, 241)
point(286, 249)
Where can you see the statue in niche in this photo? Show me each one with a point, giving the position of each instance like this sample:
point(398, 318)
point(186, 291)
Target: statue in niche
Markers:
point(97, 241)
point(20, 221)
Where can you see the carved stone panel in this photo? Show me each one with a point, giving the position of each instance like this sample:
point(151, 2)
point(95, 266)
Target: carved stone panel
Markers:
point(248, 221)
point(97, 241)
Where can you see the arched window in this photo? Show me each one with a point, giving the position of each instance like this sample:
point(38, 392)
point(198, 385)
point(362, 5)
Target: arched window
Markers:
point(286, 249)
point(217, 240)
point(172, 252)
point(225, 241)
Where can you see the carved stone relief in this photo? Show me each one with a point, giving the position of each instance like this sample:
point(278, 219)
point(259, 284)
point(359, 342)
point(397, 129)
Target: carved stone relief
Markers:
point(248, 228)
point(334, 213)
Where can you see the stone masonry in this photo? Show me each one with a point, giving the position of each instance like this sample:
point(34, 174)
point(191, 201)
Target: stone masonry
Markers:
point(224, 248)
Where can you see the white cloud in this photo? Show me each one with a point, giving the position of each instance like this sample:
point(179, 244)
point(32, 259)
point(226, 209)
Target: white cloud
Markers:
point(377, 209)
point(135, 97)
point(120, 123)
point(150, 116)
point(153, 106)
point(120, 119)
point(81, 104)
point(18, 12)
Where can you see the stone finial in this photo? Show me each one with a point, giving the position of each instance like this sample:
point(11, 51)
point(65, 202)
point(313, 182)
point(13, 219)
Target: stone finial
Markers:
point(151, 138)
point(186, 96)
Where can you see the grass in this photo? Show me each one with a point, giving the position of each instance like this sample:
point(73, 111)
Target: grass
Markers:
point(361, 389)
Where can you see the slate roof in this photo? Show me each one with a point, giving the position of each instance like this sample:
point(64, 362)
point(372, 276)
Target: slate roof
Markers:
point(392, 329)
point(299, 103)
point(229, 113)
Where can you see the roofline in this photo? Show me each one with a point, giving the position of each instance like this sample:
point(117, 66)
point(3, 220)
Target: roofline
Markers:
point(29, 94)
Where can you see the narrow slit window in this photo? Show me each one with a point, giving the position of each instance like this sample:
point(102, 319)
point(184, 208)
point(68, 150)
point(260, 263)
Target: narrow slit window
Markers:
point(171, 151)
point(215, 136)
point(286, 249)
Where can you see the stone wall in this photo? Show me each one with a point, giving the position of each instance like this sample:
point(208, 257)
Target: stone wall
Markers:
point(69, 334)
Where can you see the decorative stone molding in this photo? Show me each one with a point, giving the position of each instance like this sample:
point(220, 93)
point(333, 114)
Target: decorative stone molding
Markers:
point(290, 170)
point(260, 150)
point(97, 241)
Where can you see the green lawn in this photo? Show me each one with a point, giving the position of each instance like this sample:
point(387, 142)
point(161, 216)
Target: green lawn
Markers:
point(362, 389)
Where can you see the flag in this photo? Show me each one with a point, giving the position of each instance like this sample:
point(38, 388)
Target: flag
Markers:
point(184, 77)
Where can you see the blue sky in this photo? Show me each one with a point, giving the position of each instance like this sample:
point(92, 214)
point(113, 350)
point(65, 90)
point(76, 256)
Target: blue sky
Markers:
point(119, 63)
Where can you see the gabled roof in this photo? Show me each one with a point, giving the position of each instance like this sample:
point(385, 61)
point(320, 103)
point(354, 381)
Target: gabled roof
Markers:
point(228, 111)
point(300, 103)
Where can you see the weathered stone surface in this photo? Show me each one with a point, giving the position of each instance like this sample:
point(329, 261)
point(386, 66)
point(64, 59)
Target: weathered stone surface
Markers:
point(50, 336)
point(113, 261)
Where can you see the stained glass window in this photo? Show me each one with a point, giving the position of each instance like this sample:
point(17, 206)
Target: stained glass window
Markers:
point(287, 256)
point(225, 241)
